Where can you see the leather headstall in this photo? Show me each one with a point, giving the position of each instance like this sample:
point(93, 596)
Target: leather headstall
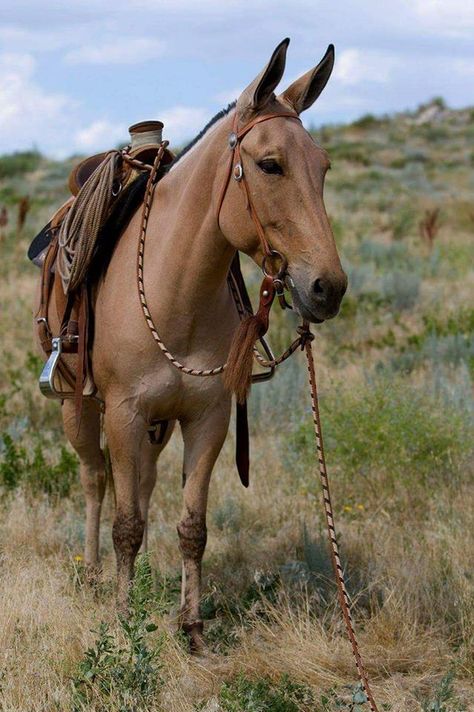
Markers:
point(235, 168)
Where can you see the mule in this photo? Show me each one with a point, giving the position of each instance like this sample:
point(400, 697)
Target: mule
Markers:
point(189, 249)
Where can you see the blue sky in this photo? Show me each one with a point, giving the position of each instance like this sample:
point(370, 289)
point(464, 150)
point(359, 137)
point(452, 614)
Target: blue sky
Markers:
point(74, 76)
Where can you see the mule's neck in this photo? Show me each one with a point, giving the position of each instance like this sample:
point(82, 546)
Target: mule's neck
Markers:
point(186, 246)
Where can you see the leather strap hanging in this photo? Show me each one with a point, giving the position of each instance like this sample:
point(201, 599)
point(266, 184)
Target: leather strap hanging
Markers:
point(242, 443)
point(238, 372)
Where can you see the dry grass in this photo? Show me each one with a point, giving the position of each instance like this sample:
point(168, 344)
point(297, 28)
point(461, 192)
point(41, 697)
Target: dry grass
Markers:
point(48, 613)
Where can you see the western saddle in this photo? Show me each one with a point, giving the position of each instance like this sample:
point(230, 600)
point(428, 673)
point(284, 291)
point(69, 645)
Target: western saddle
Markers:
point(61, 378)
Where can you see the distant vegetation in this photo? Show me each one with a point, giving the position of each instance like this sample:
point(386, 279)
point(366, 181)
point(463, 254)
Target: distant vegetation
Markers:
point(395, 370)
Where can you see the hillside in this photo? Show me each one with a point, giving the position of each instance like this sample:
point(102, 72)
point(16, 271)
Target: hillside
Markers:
point(395, 371)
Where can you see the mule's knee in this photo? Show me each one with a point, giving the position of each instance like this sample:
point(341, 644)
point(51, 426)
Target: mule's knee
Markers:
point(192, 533)
point(127, 535)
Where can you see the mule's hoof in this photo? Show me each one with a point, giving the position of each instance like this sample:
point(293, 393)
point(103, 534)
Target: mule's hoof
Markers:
point(194, 631)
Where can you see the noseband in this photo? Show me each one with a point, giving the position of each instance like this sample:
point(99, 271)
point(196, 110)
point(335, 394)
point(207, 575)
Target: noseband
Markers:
point(236, 170)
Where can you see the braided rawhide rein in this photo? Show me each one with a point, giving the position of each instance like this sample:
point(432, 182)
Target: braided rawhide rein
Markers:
point(303, 340)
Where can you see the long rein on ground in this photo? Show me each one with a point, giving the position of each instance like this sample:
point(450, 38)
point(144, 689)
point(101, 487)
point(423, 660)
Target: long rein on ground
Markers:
point(273, 285)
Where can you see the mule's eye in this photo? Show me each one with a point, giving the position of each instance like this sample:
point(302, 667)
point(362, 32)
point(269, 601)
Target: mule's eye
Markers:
point(268, 165)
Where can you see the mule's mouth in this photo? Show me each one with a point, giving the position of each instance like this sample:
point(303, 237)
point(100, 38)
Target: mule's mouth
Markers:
point(302, 309)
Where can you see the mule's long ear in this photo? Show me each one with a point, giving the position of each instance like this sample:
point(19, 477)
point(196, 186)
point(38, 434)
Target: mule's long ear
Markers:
point(261, 89)
point(304, 92)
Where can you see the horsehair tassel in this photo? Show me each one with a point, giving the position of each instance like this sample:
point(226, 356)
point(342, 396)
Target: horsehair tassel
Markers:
point(238, 373)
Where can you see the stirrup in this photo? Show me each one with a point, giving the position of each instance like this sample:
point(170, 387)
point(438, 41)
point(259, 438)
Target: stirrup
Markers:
point(46, 380)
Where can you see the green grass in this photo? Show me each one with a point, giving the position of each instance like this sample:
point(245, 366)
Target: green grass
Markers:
point(390, 433)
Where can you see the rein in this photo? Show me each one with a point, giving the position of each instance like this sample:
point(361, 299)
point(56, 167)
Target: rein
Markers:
point(272, 285)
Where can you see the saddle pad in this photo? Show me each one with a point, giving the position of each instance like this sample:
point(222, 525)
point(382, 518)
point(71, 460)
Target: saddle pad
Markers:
point(40, 244)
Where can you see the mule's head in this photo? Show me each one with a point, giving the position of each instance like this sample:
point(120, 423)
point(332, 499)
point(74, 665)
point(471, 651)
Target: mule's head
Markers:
point(284, 169)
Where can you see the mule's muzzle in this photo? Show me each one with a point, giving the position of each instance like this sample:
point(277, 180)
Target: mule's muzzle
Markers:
point(322, 298)
point(327, 294)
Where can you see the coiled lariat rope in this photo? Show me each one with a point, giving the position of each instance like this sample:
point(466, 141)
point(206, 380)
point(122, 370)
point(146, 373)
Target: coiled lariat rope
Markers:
point(303, 341)
point(81, 226)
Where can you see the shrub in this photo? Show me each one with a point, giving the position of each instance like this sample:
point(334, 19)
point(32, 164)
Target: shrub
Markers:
point(366, 121)
point(350, 151)
point(403, 221)
point(385, 256)
point(400, 289)
point(35, 472)
point(247, 695)
point(123, 668)
point(228, 515)
point(401, 434)
point(18, 163)
point(361, 278)
point(444, 699)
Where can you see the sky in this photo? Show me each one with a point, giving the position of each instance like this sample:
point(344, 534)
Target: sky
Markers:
point(74, 76)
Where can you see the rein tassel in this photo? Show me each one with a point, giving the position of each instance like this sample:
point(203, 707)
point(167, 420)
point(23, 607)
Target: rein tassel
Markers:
point(238, 374)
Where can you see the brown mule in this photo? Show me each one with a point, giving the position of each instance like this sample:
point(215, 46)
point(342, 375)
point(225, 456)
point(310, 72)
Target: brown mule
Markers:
point(189, 248)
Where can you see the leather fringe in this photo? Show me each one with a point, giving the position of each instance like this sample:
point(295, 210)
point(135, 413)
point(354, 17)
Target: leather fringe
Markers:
point(238, 374)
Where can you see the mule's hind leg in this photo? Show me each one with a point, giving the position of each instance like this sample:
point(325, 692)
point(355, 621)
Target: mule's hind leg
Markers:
point(149, 455)
point(203, 440)
point(86, 442)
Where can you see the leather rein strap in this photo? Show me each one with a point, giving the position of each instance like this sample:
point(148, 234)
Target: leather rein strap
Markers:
point(236, 169)
point(304, 341)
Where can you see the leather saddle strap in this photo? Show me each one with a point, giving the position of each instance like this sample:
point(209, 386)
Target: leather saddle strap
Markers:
point(47, 278)
point(81, 367)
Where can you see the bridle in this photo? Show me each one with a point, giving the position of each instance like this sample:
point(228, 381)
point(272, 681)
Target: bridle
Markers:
point(275, 281)
point(235, 169)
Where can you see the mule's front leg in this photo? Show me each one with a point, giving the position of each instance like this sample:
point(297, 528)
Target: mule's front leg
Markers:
point(203, 440)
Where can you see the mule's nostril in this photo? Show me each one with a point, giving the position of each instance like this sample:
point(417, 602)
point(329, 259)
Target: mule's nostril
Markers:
point(318, 287)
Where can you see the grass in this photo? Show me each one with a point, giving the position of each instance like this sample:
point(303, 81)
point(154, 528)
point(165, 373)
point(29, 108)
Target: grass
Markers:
point(395, 372)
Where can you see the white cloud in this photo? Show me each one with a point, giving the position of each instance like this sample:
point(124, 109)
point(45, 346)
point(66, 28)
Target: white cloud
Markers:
point(183, 122)
point(354, 66)
point(39, 40)
point(122, 50)
point(100, 135)
point(27, 113)
point(449, 18)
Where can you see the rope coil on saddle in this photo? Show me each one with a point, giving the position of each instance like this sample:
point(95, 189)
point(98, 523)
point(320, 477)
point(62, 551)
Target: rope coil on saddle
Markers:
point(81, 226)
